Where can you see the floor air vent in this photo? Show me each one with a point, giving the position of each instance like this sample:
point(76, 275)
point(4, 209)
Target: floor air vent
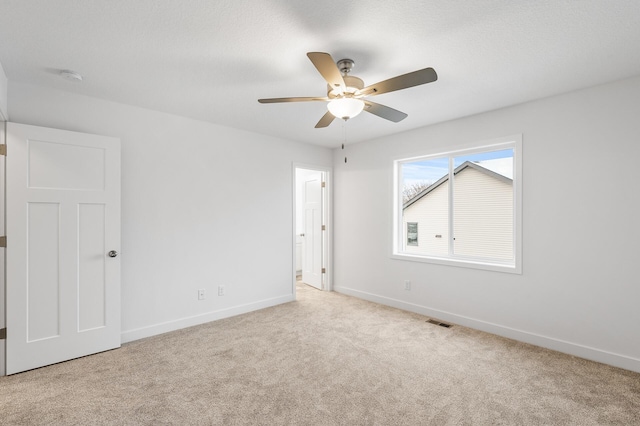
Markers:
point(436, 322)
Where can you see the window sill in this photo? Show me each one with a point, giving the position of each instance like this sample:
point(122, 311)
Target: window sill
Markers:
point(461, 263)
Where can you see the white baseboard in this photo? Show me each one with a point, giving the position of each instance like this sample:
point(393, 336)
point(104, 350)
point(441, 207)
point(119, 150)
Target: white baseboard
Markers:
point(152, 330)
point(581, 351)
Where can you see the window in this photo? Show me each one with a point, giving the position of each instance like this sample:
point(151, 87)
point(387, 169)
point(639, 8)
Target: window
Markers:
point(464, 204)
point(412, 233)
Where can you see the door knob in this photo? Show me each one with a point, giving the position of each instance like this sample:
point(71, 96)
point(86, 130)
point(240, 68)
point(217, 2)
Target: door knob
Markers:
point(112, 253)
point(302, 235)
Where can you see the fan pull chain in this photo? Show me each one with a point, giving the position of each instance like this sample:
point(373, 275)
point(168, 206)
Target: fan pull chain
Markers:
point(344, 136)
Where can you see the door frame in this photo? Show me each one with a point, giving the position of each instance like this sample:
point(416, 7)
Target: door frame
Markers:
point(3, 301)
point(327, 214)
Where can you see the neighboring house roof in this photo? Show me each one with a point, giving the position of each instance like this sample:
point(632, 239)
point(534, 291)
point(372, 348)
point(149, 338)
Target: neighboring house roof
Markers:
point(467, 164)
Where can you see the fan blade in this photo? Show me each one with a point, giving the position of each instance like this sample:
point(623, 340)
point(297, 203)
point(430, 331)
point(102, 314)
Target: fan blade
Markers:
point(400, 82)
point(384, 111)
point(325, 120)
point(327, 68)
point(277, 100)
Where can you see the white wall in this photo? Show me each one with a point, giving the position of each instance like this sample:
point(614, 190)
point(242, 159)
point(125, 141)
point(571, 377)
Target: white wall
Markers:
point(202, 205)
point(579, 291)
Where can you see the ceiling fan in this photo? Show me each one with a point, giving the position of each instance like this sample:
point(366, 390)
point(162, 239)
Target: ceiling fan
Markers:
point(346, 93)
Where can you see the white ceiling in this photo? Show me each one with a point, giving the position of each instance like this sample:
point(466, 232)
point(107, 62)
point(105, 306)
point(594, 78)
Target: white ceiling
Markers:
point(212, 59)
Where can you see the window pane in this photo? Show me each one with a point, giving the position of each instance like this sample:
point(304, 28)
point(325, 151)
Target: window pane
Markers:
point(483, 205)
point(425, 200)
point(461, 207)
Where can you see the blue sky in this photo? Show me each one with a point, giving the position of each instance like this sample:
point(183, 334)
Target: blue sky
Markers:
point(433, 169)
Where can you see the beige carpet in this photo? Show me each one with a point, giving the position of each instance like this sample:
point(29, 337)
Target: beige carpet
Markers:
point(327, 359)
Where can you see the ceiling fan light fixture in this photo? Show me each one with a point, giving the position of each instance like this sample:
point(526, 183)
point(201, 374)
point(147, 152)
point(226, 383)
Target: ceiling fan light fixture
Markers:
point(345, 108)
point(345, 91)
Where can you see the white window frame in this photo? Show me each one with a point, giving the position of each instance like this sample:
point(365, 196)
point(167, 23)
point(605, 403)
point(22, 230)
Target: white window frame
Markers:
point(509, 142)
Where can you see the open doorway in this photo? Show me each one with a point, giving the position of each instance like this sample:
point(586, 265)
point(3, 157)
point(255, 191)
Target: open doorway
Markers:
point(311, 226)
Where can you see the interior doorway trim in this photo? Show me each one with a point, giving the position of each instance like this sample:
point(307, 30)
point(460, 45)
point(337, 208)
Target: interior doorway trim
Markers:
point(327, 213)
point(3, 307)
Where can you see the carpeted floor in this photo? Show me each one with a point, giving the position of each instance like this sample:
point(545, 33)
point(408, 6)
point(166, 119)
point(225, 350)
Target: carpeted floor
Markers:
point(326, 359)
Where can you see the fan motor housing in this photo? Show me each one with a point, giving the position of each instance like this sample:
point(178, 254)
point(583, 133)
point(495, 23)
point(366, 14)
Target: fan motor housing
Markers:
point(353, 84)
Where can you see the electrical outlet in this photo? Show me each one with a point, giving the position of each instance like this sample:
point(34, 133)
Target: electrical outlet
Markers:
point(407, 285)
point(220, 290)
point(201, 294)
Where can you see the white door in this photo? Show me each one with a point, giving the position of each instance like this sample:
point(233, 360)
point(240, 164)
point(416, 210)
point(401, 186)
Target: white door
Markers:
point(313, 244)
point(63, 219)
point(299, 245)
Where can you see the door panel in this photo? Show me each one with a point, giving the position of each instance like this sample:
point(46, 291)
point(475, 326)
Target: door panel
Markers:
point(43, 277)
point(63, 216)
point(58, 165)
point(92, 261)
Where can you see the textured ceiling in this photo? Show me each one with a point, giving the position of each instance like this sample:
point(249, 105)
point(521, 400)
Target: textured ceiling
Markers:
point(212, 60)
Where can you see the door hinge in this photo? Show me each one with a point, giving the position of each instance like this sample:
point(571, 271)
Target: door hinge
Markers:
point(324, 270)
point(3, 333)
point(324, 227)
point(3, 241)
point(3, 149)
point(323, 184)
